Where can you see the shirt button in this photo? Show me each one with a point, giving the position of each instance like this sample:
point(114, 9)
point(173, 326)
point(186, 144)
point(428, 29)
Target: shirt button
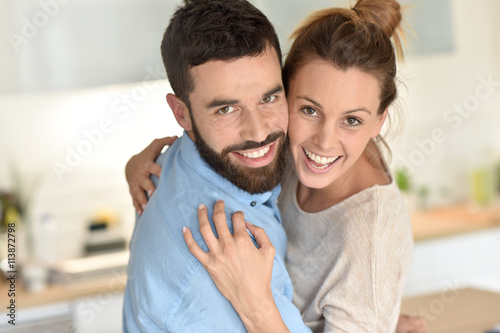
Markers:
point(253, 204)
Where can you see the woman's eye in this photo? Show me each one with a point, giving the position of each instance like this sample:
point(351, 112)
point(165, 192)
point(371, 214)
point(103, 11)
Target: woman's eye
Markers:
point(226, 110)
point(309, 111)
point(352, 121)
point(269, 99)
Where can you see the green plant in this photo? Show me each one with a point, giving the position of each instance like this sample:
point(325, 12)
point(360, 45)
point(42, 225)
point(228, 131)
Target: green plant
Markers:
point(403, 180)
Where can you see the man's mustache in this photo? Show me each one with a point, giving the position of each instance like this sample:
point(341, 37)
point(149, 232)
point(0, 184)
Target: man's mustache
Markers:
point(254, 145)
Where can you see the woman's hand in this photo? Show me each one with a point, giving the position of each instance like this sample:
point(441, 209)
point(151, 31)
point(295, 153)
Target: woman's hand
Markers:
point(241, 271)
point(140, 167)
point(411, 324)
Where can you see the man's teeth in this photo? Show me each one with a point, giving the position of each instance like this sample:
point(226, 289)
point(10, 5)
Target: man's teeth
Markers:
point(320, 160)
point(256, 154)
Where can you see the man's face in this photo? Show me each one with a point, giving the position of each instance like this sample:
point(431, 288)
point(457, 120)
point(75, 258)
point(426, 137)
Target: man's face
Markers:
point(240, 117)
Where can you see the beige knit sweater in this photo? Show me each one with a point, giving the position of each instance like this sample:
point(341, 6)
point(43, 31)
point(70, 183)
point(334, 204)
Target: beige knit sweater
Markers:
point(348, 263)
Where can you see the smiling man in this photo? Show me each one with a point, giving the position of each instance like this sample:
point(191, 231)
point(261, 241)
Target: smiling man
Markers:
point(238, 117)
point(223, 62)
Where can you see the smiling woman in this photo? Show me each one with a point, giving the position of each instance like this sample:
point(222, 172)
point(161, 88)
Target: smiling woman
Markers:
point(333, 116)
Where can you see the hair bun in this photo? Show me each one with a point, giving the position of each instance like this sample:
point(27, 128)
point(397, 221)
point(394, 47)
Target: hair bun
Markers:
point(386, 14)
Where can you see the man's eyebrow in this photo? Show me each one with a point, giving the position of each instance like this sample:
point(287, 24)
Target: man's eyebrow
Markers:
point(277, 89)
point(221, 102)
point(224, 102)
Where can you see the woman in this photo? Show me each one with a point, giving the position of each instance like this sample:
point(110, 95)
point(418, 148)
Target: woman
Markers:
point(349, 237)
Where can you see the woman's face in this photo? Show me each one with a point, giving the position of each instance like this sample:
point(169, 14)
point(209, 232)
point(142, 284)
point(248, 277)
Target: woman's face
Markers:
point(333, 115)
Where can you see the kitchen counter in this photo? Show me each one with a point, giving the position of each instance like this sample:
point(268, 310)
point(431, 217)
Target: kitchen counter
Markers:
point(452, 220)
point(102, 286)
point(456, 311)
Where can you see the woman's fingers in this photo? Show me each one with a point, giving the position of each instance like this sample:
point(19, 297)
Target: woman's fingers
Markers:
point(146, 185)
point(217, 246)
point(220, 221)
point(137, 206)
point(260, 236)
point(139, 169)
point(193, 247)
point(151, 168)
point(205, 229)
point(239, 227)
point(157, 145)
point(140, 201)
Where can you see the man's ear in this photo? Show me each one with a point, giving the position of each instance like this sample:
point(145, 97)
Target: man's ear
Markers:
point(380, 123)
point(181, 112)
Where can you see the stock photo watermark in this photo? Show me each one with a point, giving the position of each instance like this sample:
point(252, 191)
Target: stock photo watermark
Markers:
point(453, 118)
point(121, 108)
point(94, 305)
point(11, 273)
point(48, 9)
point(89, 309)
point(438, 305)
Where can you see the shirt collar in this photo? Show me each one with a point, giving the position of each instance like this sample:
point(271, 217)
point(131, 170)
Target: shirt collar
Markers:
point(192, 158)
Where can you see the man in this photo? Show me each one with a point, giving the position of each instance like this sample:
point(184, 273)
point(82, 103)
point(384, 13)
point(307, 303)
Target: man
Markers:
point(223, 62)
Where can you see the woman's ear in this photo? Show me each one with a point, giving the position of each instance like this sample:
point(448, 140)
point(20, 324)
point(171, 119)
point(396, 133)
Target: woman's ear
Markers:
point(181, 112)
point(380, 123)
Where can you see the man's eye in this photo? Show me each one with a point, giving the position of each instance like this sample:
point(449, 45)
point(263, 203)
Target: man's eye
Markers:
point(269, 99)
point(226, 109)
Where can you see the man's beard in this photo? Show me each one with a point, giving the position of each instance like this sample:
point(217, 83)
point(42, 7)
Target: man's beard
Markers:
point(251, 180)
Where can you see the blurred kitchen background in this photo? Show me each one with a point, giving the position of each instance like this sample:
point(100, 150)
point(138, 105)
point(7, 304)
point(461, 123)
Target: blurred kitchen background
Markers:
point(82, 89)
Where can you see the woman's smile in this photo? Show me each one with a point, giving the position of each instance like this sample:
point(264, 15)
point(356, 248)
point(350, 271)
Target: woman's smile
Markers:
point(319, 162)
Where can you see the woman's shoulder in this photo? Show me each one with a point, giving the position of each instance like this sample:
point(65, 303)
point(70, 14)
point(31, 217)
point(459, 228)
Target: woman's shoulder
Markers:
point(379, 207)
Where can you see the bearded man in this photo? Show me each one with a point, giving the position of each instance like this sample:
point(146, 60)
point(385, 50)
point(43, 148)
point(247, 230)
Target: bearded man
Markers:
point(223, 63)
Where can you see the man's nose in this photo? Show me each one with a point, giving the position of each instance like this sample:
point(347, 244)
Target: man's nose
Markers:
point(255, 126)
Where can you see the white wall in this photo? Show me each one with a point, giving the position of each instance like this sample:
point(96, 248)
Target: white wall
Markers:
point(286, 15)
point(59, 139)
point(467, 260)
point(435, 84)
point(73, 44)
point(8, 82)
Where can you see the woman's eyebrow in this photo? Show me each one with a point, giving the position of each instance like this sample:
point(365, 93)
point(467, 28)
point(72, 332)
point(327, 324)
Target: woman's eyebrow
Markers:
point(311, 101)
point(358, 109)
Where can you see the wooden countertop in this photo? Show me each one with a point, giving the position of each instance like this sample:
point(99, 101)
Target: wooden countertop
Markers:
point(452, 220)
point(456, 311)
point(65, 292)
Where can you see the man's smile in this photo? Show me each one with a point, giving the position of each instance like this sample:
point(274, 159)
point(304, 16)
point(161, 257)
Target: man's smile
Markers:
point(259, 157)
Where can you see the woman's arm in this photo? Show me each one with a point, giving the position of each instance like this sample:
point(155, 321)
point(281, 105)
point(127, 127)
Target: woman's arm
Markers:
point(241, 271)
point(140, 167)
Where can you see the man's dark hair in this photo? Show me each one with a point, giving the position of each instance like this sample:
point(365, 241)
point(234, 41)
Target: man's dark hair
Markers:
point(205, 30)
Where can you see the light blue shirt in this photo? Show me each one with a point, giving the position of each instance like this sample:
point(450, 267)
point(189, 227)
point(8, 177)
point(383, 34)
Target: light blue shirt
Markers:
point(168, 290)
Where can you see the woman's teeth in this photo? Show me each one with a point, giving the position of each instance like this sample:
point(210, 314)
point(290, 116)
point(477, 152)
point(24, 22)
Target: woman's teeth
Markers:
point(324, 161)
point(256, 154)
